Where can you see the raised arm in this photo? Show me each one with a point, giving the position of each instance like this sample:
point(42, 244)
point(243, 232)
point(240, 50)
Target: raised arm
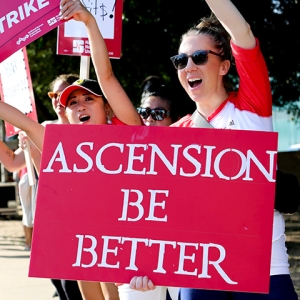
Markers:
point(111, 87)
point(233, 22)
point(34, 130)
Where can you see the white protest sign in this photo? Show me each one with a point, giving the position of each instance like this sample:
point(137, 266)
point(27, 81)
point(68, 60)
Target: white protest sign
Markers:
point(104, 14)
point(16, 86)
point(72, 35)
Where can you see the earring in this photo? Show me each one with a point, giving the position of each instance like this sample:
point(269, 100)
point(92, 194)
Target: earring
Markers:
point(108, 119)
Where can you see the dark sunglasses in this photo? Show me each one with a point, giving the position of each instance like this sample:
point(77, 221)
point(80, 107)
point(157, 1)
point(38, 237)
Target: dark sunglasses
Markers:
point(53, 95)
point(157, 114)
point(199, 57)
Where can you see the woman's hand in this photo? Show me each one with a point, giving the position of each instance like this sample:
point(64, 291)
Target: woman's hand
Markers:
point(22, 137)
point(141, 283)
point(74, 9)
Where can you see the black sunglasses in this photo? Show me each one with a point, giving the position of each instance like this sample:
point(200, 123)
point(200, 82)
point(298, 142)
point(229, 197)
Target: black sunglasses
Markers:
point(199, 57)
point(157, 114)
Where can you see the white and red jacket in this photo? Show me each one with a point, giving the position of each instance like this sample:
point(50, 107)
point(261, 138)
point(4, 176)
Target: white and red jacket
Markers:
point(250, 108)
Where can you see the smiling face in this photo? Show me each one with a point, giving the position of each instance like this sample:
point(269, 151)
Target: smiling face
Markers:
point(58, 87)
point(203, 83)
point(156, 102)
point(84, 107)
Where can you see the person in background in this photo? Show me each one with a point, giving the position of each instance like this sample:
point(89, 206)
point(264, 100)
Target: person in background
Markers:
point(14, 162)
point(19, 178)
point(159, 104)
point(55, 89)
point(159, 107)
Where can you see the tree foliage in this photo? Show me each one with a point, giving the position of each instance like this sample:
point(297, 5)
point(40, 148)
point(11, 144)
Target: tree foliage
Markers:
point(151, 35)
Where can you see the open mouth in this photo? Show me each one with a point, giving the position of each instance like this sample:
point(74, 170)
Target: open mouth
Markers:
point(194, 82)
point(84, 118)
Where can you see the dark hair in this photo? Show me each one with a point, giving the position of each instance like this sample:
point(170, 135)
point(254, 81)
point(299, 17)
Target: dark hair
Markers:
point(220, 38)
point(70, 78)
point(156, 86)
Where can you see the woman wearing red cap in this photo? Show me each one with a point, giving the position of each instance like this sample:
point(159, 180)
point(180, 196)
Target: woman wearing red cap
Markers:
point(85, 104)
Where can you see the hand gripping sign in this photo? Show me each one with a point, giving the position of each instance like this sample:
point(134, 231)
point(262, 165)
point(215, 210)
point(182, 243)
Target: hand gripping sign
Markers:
point(23, 21)
point(186, 207)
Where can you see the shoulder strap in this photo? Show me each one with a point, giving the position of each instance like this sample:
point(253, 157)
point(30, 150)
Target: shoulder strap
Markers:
point(199, 121)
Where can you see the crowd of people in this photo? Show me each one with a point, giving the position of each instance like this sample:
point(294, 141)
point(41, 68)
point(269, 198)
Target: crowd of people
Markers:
point(204, 58)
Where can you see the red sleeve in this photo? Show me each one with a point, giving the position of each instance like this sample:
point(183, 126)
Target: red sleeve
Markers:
point(254, 92)
point(116, 121)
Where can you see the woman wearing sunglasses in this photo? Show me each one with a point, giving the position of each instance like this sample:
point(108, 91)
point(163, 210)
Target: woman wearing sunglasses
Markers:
point(85, 104)
point(202, 64)
point(56, 87)
point(159, 105)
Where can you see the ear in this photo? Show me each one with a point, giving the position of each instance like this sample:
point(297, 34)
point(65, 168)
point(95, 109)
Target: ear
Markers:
point(107, 109)
point(224, 68)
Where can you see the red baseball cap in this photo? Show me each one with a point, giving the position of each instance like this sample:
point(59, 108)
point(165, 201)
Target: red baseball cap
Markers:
point(86, 84)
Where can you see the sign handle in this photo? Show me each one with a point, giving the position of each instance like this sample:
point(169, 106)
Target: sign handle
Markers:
point(85, 67)
point(29, 164)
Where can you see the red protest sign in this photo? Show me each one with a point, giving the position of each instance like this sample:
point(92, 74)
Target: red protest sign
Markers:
point(176, 204)
point(72, 37)
point(22, 22)
point(16, 87)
